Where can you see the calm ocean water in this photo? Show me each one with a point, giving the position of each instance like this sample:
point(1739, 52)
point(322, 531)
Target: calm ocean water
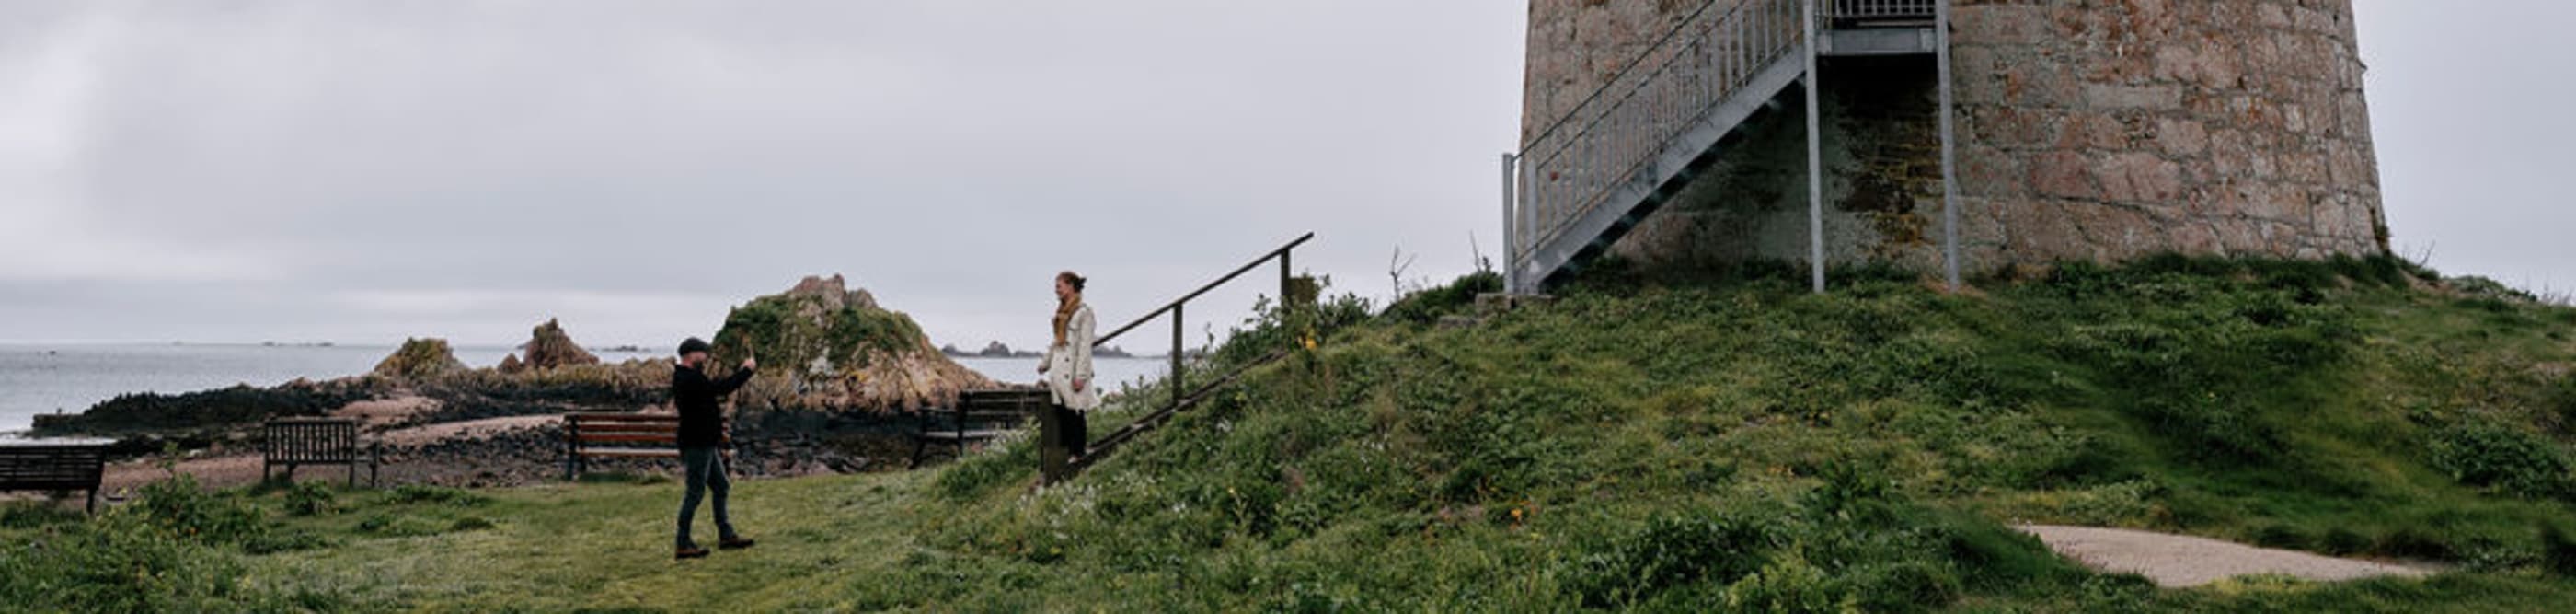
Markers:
point(42, 379)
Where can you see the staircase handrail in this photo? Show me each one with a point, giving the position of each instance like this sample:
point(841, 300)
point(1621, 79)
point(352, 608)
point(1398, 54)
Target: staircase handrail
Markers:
point(1704, 59)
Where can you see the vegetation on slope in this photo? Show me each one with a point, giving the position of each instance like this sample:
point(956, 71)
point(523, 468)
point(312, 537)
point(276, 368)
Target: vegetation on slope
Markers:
point(1656, 444)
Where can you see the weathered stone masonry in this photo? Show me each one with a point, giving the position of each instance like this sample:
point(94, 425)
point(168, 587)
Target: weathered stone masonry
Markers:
point(2095, 129)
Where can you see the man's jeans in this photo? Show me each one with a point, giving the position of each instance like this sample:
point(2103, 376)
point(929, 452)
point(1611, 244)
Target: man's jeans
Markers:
point(706, 472)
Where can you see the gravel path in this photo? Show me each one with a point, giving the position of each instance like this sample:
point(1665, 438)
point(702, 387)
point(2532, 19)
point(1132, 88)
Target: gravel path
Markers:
point(380, 412)
point(470, 429)
point(2177, 561)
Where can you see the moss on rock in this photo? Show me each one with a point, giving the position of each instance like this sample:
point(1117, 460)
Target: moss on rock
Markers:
point(420, 359)
point(824, 346)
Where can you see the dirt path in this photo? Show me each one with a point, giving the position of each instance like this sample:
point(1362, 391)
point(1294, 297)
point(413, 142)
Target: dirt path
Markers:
point(380, 412)
point(239, 468)
point(2178, 561)
point(470, 429)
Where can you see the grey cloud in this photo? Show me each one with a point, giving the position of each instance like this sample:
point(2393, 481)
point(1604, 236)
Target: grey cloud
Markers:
point(500, 158)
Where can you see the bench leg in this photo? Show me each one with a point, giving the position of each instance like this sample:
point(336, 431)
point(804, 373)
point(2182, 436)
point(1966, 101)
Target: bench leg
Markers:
point(92, 508)
point(353, 474)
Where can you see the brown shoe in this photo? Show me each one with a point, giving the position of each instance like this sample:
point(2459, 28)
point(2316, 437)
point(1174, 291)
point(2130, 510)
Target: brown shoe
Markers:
point(692, 553)
point(734, 544)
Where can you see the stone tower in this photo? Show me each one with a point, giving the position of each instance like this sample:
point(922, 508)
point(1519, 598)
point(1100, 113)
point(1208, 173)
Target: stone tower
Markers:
point(2084, 129)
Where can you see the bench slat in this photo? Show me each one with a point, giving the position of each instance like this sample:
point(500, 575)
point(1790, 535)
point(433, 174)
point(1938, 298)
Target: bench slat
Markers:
point(615, 438)
point(670, 418)
point(630, 452)
point(313, 441)
point(627, 428)
point(954, 435)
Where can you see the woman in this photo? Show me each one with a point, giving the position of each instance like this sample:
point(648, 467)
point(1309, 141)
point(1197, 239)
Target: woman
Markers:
point(1068, 366)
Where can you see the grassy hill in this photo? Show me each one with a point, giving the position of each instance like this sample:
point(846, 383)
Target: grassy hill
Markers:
point(1730, 443)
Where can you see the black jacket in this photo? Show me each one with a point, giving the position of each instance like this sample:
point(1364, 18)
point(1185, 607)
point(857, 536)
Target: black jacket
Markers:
point(701, 421)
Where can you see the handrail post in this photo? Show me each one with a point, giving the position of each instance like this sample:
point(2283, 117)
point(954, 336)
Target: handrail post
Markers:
point(1511, 225)
point(1176, 355)
point(1949, 152)
point(1283, 277)
point(1815, 160)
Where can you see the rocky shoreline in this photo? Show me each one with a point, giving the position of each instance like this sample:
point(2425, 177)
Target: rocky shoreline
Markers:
point(848, 380)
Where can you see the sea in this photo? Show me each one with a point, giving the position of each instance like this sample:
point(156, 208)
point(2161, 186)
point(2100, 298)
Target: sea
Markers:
point(68, 378)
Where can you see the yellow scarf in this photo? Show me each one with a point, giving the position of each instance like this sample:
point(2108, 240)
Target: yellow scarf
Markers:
point(1064, 315)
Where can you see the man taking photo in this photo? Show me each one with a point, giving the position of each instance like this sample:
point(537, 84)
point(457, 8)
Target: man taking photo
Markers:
point(701, 432)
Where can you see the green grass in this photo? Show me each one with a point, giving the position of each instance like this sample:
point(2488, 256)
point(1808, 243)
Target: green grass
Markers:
point(1642, 443)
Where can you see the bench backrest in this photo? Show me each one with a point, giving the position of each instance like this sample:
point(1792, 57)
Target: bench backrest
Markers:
point(985, 409)
point(1024, 401)
point(598, 430)
point(312, 440)
point(52, 467)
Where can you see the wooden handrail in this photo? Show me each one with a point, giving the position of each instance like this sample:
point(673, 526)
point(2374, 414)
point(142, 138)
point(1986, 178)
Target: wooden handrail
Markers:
point(1281, 253)
point(1174, 308)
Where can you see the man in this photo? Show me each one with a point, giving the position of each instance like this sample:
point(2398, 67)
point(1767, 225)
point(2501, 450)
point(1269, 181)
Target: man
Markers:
point(701, 431)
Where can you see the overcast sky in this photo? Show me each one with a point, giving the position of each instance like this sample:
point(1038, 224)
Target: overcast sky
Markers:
point(364, 171)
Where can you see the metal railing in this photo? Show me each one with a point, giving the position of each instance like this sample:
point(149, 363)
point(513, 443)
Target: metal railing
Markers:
point(1879, 10)
point(1178, 350)
point(1574, 164)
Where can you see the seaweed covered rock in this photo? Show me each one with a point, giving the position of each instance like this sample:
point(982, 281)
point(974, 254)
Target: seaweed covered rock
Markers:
point(824, 346)
point(548, 347)
point(420, 359)
point(209, 409)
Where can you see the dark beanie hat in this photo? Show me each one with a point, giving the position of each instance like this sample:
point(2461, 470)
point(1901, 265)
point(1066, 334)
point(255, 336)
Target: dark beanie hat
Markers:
point(694, 344)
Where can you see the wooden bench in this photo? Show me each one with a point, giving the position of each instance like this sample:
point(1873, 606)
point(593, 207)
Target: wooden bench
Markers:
point(294, 442)
point(619, 435)
point(980, 415)
point(54, 467)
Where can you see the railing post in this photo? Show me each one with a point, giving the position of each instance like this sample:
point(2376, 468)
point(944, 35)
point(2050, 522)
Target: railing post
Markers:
point(1511, 230)
point(1815, 160)
point(1283, 279)
point(1177, 384)
point(1949, 152)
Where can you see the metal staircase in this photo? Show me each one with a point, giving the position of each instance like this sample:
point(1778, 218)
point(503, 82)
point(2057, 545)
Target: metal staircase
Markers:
point(1581, 183)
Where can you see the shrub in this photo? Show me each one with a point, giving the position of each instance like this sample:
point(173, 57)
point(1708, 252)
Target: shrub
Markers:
point(1785, 586)
point(31, 514)
point(1668, 551)
point(1428, 304)
point(421, 493)
point(2512, 460)
point(390, 524)
point(2562, 399)
point(181, 507)
point(309, 498)
point(159, 554)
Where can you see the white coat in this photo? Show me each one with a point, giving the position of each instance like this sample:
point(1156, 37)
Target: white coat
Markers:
point(1071, 360)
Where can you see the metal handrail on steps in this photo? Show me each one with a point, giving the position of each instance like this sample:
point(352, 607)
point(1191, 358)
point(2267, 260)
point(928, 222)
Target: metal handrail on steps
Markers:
point(1174, 308)
point(1566, 172)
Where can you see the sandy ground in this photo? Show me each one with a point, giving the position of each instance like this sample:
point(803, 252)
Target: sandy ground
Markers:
point(470, 429)
point(380, 412)
point(235, 468)
point(2178, 561)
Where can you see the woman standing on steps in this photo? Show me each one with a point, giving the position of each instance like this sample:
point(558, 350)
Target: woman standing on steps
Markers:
point(1068, 367)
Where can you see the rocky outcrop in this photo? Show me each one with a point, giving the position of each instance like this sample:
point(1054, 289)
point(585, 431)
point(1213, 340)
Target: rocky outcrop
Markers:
point(420, 359)
point(548, 347)
point(210, 411)
point(823, 346)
